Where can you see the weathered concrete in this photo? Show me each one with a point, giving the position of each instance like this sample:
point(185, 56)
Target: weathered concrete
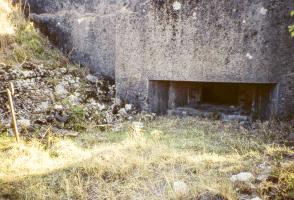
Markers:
point(206, 41)
point(83, 29)
point(137, 41)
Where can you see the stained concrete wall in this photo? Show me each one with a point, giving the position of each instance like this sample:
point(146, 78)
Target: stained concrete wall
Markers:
point(84, 29)
point(135, 41)
point(206, 41)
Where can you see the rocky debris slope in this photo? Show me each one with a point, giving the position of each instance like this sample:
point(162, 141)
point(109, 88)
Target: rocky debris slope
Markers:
point(64, 97)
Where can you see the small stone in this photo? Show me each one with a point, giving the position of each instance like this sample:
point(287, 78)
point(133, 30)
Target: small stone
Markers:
point(61, 118)
point(263, 11)
point(262, 177)
point(130, 118)
point(24, 123)
point(262, 165)
point(242, 177)
point(210, 196)
point(60, 90)
point(147, 116)
point(101, 107)
point(129, 107)
point(177, 6)
point(180, 188)
point(249, 56)
point(73, 99)
point(72, 81)
point(91, 78)
point(43, 106)
point(123, 112)
point(63, 70)
point(256, 198)
point(58, 107)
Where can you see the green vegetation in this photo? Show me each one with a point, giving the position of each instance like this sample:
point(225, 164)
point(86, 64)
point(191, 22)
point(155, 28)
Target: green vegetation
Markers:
point(77, 120)
point(291, 27)
point(21, 42)
point(131, 163)
point(145, 163)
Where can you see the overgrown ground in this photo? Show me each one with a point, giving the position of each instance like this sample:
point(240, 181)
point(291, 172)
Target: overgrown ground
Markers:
point(21, 42)
point(135, 163)
point(144, 164)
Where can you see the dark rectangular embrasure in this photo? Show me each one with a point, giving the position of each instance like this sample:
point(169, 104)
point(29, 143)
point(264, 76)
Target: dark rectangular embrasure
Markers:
point(250, 99)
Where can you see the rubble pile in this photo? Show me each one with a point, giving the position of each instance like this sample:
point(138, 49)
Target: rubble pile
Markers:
point(64, 97)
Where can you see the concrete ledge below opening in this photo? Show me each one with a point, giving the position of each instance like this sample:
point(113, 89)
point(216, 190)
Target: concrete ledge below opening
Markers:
point(227, 101)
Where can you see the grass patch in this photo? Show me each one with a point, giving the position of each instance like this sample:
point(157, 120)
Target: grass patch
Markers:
point(21, 42)
point(142, 164)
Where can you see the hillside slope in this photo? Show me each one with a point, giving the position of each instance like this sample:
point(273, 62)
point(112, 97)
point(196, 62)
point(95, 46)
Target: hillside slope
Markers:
point(49, 89)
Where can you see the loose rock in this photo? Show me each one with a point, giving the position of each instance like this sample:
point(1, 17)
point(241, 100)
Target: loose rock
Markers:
point(242, 177)
point(24, 123)
point(91, 78)
point(180, 188)
point(210, 196)
point(129, 107)
point(256, 198)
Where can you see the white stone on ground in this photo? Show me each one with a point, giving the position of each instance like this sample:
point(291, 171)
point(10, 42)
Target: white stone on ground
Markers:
point(24, 123)
point(123, 112)
point(42, 107)
point(58, 107)
point(128, 107)
point(256, 198)
point(180, 188)
point(60, 90)
point(91, 78)
point(177, 5)
point(249, 56)
point(263, 11)
point(242, 177)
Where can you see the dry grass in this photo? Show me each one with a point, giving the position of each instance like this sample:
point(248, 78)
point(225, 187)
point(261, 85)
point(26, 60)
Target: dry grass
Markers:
point(140, 164)
point(21, 42)
point(132, 164)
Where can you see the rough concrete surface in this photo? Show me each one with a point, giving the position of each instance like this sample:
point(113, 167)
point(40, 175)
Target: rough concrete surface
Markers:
point(83, 29)
point(135, 41)
point(207, 41)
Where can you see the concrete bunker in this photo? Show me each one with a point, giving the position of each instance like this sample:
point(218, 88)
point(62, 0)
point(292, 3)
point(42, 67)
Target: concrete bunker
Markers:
point(220, 100)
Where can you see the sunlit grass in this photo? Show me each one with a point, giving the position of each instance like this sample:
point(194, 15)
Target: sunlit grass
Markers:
point(21, 42)
point(130, 164)
point(7, 27)
point(138, 164)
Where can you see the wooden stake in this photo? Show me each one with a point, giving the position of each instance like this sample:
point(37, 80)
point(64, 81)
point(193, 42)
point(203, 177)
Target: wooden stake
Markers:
point(11, 88)
point(14, 125)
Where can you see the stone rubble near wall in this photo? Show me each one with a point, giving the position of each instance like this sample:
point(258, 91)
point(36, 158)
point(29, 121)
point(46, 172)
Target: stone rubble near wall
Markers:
point(133, 41)
point(187, 111)
point(45, 96)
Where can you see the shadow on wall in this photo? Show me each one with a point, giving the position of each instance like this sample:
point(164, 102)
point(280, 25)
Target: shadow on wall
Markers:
point(251, 100)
